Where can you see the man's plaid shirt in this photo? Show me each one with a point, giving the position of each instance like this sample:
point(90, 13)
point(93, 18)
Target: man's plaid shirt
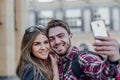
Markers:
point(93, 66)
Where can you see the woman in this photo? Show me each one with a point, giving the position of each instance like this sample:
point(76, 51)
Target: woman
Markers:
point(36, 62)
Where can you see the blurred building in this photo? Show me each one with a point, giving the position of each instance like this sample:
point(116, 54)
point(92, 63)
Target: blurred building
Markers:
point(16, 15)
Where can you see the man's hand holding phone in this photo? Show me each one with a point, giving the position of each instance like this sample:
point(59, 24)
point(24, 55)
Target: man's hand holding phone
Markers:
point(105, 46)
point(99, 30)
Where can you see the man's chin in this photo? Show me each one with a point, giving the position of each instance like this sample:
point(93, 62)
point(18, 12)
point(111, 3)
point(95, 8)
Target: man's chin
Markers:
point(61, 54)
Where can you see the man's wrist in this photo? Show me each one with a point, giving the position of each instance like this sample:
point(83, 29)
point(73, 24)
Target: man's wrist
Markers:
point(114, 58)
point(114, 62)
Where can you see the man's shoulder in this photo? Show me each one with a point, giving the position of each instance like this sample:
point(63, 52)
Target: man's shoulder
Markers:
point(88, 56)
point(86, 52)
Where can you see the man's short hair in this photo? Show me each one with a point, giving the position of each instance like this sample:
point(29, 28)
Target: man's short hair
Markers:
point(57, 22)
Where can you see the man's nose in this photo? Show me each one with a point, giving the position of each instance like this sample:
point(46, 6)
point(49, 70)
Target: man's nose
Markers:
point(57, 40)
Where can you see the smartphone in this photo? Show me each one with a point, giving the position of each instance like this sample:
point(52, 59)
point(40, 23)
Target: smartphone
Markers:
point(99, 29)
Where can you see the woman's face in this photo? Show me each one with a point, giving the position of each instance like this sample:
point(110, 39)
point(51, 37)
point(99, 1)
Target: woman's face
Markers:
point(41, 47)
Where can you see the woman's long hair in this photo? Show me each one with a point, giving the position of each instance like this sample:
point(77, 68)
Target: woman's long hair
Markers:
point(27, 57)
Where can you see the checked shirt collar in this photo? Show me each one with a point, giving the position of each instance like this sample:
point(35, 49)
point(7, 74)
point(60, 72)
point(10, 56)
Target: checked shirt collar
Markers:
point(70, 56)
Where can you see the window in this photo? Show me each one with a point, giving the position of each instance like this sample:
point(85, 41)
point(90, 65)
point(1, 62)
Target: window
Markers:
point(47, 13)
point(102, 13)
point(45, 16)
point(73, 17)
point(31, 18)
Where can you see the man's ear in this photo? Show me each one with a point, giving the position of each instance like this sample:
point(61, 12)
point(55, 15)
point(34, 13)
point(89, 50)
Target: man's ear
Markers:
point(70, 35)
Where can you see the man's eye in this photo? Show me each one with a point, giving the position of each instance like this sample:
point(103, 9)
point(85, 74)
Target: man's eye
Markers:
point(51, 39)
point(61, 36)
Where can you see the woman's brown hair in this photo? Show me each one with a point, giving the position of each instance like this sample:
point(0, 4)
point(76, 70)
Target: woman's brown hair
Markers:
point(26, 57)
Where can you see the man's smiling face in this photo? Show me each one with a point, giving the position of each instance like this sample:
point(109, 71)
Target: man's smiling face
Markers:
point(60, 40)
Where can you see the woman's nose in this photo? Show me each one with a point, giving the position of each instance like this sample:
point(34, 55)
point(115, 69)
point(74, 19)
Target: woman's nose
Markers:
point(42, 46)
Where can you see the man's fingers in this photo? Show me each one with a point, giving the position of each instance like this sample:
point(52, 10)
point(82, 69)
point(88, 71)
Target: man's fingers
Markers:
point(104, 48)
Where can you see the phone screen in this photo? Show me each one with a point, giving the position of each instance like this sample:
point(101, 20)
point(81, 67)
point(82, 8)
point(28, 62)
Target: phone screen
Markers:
point(98, 28)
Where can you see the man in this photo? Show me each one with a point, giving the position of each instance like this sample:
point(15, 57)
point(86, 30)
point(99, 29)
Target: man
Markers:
point(92, 65)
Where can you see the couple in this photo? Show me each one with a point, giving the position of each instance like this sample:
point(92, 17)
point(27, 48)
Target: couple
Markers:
point(49, 55)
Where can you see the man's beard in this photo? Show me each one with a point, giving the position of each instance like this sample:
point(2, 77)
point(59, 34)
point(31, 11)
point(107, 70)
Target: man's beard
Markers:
point(66, 52)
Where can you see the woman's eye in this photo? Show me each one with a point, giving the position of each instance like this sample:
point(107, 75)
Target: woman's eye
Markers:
point(46, 42)
point(36, 43)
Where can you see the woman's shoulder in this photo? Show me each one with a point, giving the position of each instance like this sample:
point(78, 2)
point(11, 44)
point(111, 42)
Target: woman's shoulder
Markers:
point(28, 73)
point(28, 66)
